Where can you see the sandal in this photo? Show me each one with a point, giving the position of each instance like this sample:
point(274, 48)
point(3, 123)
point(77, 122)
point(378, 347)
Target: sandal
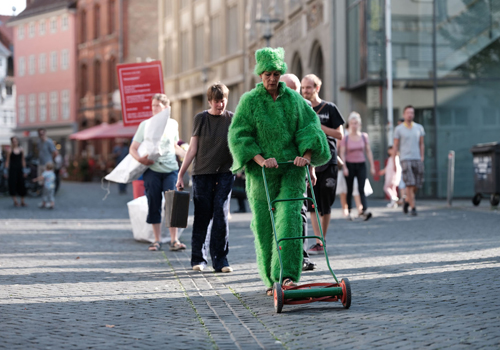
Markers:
point(269, 292)
point(287, 282)
point(154, 247)
point(177, 245)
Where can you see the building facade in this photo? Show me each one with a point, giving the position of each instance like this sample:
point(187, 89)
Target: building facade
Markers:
point(7, 87)
point(109, 32)
point(45, 72)
point(201, 42)
point(445, 62)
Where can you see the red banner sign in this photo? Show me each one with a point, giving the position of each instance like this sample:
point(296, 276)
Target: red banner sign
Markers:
point(138, 83)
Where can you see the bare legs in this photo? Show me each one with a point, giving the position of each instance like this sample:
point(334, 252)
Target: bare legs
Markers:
point(410, 195)
point(157, 233)
point(14, 199)
point(325, 222)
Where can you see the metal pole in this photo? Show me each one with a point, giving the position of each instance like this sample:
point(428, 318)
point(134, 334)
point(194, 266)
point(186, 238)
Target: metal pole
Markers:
point(388, 59)
point(451, 176)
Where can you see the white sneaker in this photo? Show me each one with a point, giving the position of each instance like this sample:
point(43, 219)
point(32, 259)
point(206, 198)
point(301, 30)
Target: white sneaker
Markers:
point(227, 269)
point(198, 267)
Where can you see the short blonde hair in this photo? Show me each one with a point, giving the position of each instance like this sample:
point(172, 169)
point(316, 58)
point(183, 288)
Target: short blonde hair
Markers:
point(314, 78)
point(49, 166)
point(354, 116)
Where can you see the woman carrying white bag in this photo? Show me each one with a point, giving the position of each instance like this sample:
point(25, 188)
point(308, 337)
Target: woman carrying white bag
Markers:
point(161, 175)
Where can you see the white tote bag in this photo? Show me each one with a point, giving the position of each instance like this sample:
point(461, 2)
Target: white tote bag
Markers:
point(130, 169)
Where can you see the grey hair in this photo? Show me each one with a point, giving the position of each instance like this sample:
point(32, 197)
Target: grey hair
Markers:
point(354, 116)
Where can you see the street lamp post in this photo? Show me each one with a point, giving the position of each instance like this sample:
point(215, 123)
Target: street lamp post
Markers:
point(267, 30)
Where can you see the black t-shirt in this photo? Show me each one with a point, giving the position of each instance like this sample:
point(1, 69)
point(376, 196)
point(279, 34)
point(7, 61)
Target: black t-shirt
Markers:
point(330, 116)
point(212, 156)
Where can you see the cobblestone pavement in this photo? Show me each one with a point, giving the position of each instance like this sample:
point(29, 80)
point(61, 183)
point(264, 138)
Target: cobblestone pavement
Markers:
point(74, 278)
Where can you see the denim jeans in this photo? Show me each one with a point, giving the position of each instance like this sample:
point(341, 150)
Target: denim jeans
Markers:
point(211, 195)
point(154, 185)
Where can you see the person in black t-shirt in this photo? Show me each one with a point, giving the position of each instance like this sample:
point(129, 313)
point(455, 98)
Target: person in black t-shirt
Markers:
point(212, 181)
point(326, 184)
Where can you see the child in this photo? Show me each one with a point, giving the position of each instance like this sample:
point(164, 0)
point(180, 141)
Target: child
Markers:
point(48, 177)
point(392, 178)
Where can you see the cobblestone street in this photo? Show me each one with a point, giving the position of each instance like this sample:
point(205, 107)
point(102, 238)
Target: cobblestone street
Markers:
point(74, 278)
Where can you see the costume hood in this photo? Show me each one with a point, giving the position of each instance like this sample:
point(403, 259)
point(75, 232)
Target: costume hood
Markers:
point(269, 59)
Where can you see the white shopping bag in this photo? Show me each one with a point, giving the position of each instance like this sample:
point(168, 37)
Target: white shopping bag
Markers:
point(143, 232)
point(130, 169)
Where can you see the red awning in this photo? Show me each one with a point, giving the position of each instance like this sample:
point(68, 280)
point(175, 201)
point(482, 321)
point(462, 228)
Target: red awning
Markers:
point(105, 131)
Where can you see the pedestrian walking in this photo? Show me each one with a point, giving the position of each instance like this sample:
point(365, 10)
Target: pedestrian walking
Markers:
point(274, 124)
point(392, 172)
point(212, 181)
point(14, 172)
point(48, 177)
point(47, 150)
point(161, 174)
point(409, 142)
point(326, 185)
point(355, 149)
point(293, 82)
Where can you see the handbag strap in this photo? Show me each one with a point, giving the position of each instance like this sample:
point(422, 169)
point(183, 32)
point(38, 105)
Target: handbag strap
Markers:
point(322, 105)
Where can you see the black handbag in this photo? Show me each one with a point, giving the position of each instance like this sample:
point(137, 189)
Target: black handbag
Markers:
point(176, 208)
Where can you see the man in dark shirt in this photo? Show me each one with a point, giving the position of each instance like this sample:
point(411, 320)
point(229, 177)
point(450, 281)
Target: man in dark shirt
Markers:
point(212, 181)
point(326, 184)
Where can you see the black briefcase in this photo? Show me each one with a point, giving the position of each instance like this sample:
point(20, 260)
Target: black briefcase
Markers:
point(176, 208)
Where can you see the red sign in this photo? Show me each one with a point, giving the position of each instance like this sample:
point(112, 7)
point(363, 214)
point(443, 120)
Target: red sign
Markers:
point(138, 83)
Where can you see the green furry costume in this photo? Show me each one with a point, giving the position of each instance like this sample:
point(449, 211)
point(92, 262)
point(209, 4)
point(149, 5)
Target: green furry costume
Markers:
point(281, 129)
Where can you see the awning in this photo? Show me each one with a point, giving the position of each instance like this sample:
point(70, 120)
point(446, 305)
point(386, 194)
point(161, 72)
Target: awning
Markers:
point(105, 131)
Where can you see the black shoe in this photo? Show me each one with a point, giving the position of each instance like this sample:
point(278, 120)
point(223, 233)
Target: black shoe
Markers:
point(308, 265)
point(366, 216)
point(413, 212)
point(405, 207)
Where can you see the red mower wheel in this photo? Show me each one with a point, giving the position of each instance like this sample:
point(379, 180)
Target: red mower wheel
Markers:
point(346, 293)
point(278, 297)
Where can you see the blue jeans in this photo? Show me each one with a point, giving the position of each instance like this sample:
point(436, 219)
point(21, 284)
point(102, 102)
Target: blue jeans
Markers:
point(154, 185)
point(211, 195)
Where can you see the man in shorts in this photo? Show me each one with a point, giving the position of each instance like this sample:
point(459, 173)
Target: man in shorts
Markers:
point(326, 184)
point(409, 142)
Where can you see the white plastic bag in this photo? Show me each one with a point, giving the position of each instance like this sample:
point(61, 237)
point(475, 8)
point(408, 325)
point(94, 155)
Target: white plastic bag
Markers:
point(130, 169)
point(143, 232)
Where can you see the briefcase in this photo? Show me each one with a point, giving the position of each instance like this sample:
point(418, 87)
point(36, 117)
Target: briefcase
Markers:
point(176, 208)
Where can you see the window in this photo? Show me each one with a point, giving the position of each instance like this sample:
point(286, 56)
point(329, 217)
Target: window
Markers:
point(111, 17)
point(21, 105)
point(41, 27)
point(198, 45)
point(42, 63)
point(232, 30)
point(31, 65)
point(65, 104)
point(214, 38)
point(112, 75)
point(53, 61)
point(83, 26)
point(184, 51)
point(31, 30)
point(53, 24)
point(97, 77)
point(22, 66)
point(64, 59)
point(53, 105)
point(97, 21)
point(83, 81)
point(64, 22)
point(32, 107)
point(20, 32)
point(42, 107)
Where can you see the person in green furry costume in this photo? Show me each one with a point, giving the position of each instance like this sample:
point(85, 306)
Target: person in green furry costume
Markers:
point(272, 124)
